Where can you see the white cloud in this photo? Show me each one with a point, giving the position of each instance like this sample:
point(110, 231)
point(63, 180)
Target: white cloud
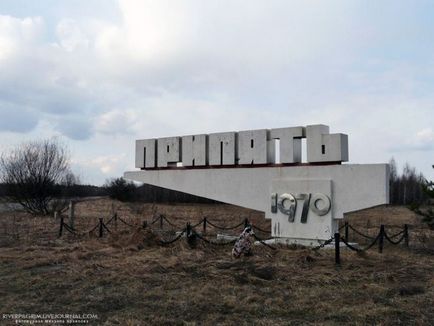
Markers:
point(17, 34)
point(425, 135)
point(70, 35)
point(106, 164)
point(181, 67)
point(116, 122)
point(423, 140)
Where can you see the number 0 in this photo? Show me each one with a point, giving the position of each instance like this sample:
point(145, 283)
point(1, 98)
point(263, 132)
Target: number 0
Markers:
point(327, 204)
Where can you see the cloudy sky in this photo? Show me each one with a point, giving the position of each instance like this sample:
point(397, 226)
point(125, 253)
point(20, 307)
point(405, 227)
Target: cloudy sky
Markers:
point(101, 73)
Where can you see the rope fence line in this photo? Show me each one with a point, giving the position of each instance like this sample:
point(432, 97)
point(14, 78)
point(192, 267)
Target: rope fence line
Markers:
point(397, 234)
point(227, 228)
point(126, 223)
point(155, 220)
point(382, 235)
point(179, 236)
point(101, 225)
point(262, 241)
point(357, 232)
point(205, 222)
point(202, 221)
point(403, 237)
point(360, 249)
point(114, 218)
point(168, 222)
point(192, 234)
point(325, 243)
point(220, 243)
point(216, 243)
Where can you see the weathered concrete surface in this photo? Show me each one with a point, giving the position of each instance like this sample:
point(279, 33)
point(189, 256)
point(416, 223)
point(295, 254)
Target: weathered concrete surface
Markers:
point(290, 143)
point(222, 148)
point(252, 147)
point(195, 150)
point(325, 147)
point(146, 153)
point(169, 151)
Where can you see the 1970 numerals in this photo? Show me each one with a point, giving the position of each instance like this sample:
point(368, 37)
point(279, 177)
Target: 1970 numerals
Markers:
point(287, 204)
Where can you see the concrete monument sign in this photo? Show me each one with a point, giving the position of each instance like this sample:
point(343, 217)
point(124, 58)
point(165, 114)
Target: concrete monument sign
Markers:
point(262, 170)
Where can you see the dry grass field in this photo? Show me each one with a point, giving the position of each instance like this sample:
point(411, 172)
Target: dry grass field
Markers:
point(127, 278)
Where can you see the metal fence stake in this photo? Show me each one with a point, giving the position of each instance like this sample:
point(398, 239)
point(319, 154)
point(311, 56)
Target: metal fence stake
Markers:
point(71, 213)
point(101, 229)
point(346, 232)
point(381, 240)
point(337, 249)
point(61, 227)
point(204, 225)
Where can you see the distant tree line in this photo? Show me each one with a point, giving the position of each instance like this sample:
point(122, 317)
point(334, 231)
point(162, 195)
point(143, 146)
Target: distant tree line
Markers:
point(72, 190)
point(119, 189)
point(124, 190)
point(408, 187)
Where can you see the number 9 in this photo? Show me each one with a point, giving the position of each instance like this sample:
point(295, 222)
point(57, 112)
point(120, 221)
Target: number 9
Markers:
point(290, 211)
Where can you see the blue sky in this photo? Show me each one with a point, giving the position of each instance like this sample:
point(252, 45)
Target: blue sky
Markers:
point(101, 73)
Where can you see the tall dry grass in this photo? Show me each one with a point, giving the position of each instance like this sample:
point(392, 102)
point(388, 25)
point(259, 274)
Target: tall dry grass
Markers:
point(127, 278)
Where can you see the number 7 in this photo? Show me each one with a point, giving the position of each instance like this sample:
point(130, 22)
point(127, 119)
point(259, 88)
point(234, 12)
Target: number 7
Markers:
point(306, 203)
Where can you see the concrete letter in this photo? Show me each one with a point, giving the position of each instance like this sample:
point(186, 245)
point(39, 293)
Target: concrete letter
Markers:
point(252, 147)
point(290, 143)
point(168, 151)
point(195, 150)
point(222, 148)
point(325, 147)
point(145, 153)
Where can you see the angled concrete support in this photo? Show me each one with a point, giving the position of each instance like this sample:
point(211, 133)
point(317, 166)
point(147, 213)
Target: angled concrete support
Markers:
point(349, 187)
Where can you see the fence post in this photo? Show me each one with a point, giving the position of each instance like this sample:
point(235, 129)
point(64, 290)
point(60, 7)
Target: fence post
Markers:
point(161, 222)
point(381, 240)
point(406, 235)
point(71, 214)
point(61, 226)
point(100, 227)
point(337, 249)
point(188, 232)
point(191, 236)
point(144, 224)
point(204, 225)
point(56, 214)
point(346, 232)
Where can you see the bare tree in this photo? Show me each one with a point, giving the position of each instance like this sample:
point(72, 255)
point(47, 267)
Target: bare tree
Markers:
point(406, 188)
point(393, 181)
point(34, 173)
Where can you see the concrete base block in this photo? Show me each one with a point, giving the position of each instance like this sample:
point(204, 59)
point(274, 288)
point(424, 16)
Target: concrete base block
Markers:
point(304, 242)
